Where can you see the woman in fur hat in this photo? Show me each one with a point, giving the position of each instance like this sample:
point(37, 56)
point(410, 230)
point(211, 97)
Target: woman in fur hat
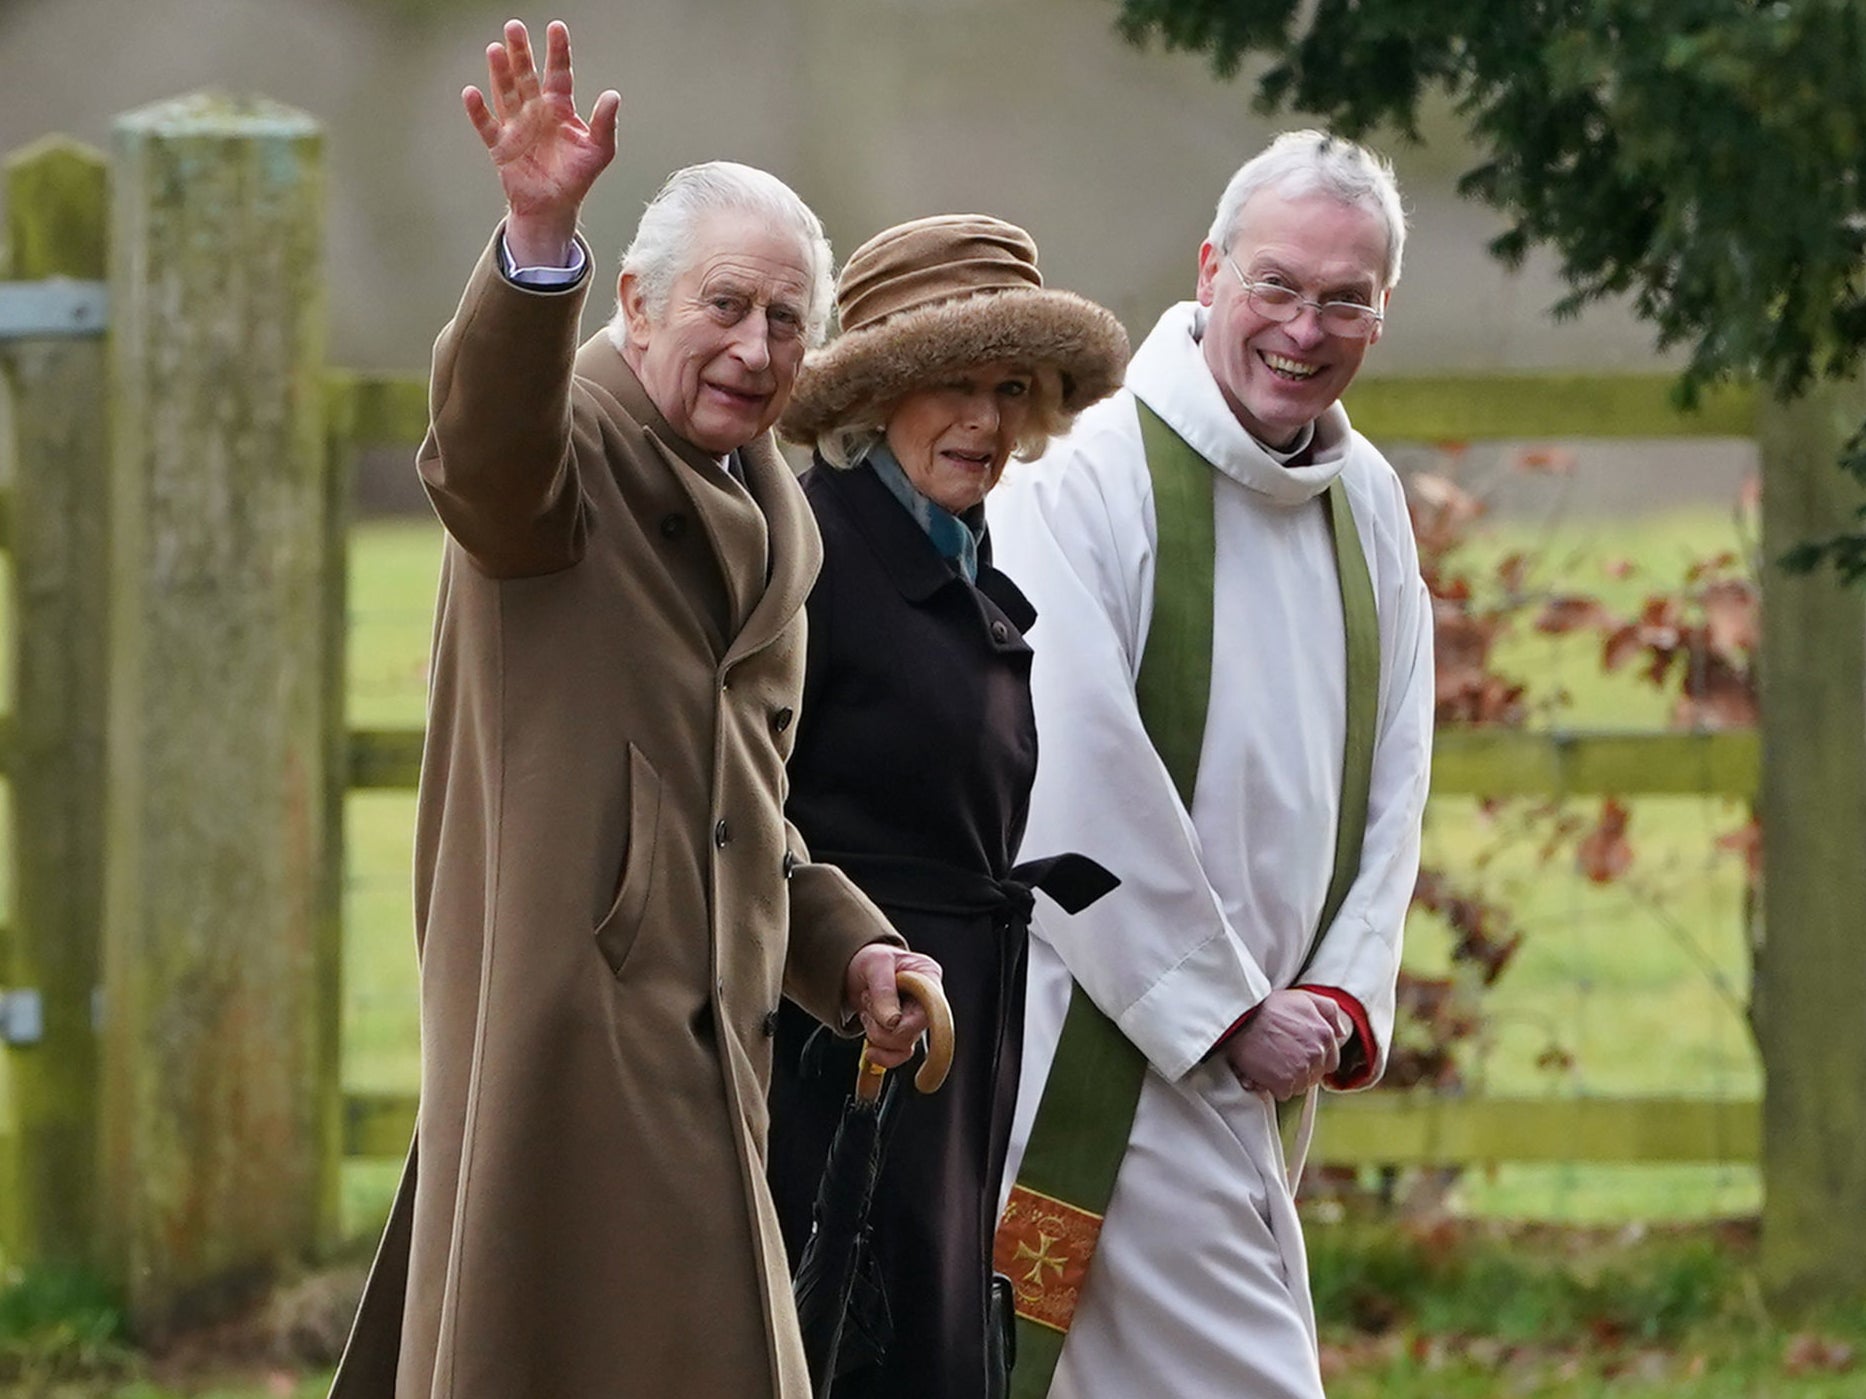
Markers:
point(917, 745)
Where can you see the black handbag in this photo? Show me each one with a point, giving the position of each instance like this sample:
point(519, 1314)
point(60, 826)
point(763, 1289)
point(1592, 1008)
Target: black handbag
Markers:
point(1000, 1337)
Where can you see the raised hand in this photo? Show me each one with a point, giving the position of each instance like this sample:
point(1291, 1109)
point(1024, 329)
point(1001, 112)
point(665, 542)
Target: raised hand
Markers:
point(546, 155)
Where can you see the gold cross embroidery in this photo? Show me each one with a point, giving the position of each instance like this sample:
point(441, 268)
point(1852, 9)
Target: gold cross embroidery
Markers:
point(1040, 1258)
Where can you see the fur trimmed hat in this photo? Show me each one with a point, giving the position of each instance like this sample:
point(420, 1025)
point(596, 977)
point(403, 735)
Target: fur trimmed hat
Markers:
point(928, 298)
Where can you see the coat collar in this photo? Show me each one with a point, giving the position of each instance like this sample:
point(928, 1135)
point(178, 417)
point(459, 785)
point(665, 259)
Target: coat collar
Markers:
point(796, 547)
point(790, 553)
point(907, 556)
point(1170, 376)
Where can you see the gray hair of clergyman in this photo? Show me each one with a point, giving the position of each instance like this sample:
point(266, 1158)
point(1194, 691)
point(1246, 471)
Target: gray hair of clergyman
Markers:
point(1314, 162)
point(664, 237)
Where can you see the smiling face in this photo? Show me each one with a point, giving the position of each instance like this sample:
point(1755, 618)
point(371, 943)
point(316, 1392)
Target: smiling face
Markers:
point(720, 358)
point(1279, 377)
point(953, 438)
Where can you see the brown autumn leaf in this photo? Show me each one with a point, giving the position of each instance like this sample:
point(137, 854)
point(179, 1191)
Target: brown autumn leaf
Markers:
point(1422, 997)
point(1442, 511)
point(1717, 695)
point(1609, 1334)
point(1467, 691)
point(1661, 609)
point(1704, 568)
point(1805, 1353)
point(1555, 1059)
point(1443, 494)
point(1428, 887)
point(1456, 589)
point(1493, 956)
point(1745, 841)
point(1461, 638)
point(1731, 617)
point(1563, 828)
point(1659, 660)
point(1619, 568)
point(1513, 570)
point(1604, 853)
point(1482, 700)
point(1621, 645)
point(1547, 461)
point(1481, 927)
point(1566, 612)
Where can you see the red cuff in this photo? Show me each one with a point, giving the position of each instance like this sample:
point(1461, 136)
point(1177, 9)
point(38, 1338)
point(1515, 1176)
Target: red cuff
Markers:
point(1357, 1056)
point(1236, 1025)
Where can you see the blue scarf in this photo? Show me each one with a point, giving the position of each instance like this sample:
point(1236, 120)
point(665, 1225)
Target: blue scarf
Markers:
point(954, 538)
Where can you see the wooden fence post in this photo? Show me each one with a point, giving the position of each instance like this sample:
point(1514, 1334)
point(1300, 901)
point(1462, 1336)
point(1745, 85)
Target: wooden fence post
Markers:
point(217, 1087)
point(1811, 974)
point(340, 455)
point(55, 228)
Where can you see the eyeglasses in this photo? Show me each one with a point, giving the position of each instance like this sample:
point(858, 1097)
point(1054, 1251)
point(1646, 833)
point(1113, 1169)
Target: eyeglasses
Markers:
point(1348, 319)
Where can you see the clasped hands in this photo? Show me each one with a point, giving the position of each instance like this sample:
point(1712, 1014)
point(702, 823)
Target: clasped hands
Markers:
point(1291, 1042)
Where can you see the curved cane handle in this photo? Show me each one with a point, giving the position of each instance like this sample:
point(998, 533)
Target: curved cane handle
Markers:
point(926, 990)
point(932, 997)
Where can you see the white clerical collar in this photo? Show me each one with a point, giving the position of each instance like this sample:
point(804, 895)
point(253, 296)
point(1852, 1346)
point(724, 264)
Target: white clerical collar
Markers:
point(1283, 456)
point(1169, 374)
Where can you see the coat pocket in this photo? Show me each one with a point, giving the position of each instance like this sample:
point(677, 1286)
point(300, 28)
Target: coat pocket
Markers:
point(616, 933)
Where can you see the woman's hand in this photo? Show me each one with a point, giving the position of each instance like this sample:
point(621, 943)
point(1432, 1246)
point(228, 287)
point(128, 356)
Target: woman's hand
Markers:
point(546, 155)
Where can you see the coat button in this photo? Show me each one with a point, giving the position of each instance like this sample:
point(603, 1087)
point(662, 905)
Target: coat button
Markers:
point(790, 863)
point(673, 526)
point(780, 721)
point(1000, 633)
point(721, 834)
point(769, 1024)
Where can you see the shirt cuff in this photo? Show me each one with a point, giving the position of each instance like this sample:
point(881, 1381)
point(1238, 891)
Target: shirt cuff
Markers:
point(542, 276)
point(1236, 1025)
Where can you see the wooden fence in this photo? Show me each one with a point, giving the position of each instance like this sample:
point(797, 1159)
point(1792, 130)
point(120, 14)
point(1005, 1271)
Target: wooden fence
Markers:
point(171, 979)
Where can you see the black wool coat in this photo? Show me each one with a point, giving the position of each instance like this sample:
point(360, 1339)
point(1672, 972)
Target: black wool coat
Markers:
point(916, 751)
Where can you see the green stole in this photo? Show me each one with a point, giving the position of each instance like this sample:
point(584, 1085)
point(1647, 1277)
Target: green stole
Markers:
point(1050, 1227)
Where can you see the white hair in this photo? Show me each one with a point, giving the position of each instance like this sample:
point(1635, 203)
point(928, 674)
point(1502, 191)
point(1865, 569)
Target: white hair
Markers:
point(664, 238)
point(1314, 162)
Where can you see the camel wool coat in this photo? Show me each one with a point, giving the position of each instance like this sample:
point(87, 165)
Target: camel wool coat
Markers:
point(609, 902)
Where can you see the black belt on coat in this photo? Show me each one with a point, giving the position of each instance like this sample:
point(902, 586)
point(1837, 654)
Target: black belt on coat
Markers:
point(919, 885)
point(912, 884)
